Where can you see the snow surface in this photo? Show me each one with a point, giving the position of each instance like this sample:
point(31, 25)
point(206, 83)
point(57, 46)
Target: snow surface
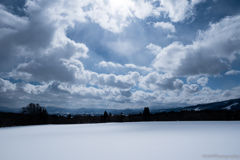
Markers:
point(121, 141)
point(229, 107)
point(197, 109)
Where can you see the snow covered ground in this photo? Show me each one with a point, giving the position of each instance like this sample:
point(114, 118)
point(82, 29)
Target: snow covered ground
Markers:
point(229, 107)
point(121, 141)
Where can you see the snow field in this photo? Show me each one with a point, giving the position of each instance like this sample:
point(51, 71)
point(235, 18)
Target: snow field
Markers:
point(121, 141)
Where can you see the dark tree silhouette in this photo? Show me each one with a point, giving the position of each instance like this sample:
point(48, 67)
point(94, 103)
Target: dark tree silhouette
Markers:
point(33, 114)
point(34, 109)
point(105, 115)
point(29, 118)
point(146, 111)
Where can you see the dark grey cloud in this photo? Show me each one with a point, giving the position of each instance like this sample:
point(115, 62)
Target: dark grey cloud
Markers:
point(200, 63)
point(126, 93)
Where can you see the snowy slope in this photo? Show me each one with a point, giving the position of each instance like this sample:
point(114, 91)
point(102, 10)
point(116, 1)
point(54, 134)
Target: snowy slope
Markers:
point(230, 106)
point(121, 141)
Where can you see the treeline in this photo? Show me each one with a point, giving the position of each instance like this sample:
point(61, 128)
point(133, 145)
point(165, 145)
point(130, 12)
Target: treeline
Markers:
point(34, 114)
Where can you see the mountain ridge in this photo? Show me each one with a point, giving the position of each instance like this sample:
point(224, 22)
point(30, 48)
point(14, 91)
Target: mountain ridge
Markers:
point(232, 104)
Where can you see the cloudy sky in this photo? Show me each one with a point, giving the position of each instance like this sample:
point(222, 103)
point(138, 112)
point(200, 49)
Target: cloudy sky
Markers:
point(119, 54)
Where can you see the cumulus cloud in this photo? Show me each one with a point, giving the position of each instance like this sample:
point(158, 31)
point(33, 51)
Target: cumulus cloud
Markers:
point(165, 26)
point(6, 85)
point(193, 88)
point(156, 81)
point(65, 94)
point(179, 10)
point(195, 2)
point(211, 53)
point(227, 93)
point(50, 68)
point(42, 34)
point(232, 72)
point(50, 36)
point(111, 80)
point(62, 92)
point(105, 64)
point(190, 94)
point(50, 53)
point(72, 92)
point(143, 97)
point(143, 68)
point(34, 89)
point(192, 79)
point(114, 15)
point(197, 79)
point(155, 49)
point(109, 64)
point(203, 81)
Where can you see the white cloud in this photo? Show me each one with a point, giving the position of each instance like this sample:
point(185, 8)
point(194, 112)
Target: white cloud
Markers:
point(232, 72)
point(113, 15)
point(192, 79)
point(110, 80)
point(203, 81)
point(56, 17)
point(217, 45)
point(155, 49)
point(105, 64)
point(143, 97)
point(192, 88)
point(109, 64)
point(143, 68)
point(34, 89)
point(156, 81)
point(171, 36)
point(165, 26)
point(6, 85)
point(227, 93)
point(179, 10)
point(65, 94)
point(194, 2)
point(197, 79)
point(169, 59)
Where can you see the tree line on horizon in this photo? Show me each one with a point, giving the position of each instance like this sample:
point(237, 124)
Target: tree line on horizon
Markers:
point(34, 114)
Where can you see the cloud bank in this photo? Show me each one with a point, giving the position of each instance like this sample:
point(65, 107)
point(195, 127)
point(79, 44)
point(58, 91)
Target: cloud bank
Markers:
point(41, 62)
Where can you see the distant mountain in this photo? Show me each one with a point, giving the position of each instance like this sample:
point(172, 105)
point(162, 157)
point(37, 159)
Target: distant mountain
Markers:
point(6, 109)
point(233, 104)
point(90, 111)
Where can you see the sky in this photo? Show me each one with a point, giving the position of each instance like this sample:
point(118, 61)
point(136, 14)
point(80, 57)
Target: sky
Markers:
point(119, 54)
